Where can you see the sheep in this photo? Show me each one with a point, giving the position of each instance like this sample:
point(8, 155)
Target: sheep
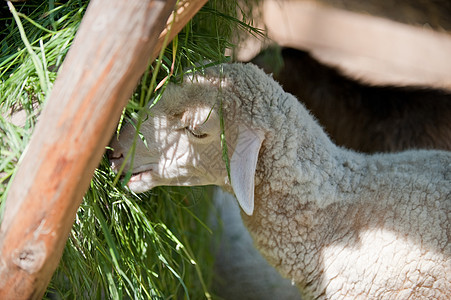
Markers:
point(338, 223)
point(360, 116)
point(240, 271)
point(419, 116)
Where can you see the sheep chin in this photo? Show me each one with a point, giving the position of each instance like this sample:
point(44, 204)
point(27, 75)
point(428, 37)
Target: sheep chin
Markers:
point(141, 182)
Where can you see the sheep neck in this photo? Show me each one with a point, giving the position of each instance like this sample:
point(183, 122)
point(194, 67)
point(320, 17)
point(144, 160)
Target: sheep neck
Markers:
point(291, 163)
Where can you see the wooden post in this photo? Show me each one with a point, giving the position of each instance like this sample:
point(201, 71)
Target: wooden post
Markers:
point(108, 56)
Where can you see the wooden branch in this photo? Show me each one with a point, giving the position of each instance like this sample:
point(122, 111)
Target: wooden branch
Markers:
point(108, 56)
point(186, 9)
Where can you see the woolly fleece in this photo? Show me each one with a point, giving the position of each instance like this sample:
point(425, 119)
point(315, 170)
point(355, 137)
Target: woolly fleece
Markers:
point(337, 223)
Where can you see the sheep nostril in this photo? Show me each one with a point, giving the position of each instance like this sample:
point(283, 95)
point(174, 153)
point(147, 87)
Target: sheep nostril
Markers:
point(116, 155)
point(116, 158)
point(116, 161)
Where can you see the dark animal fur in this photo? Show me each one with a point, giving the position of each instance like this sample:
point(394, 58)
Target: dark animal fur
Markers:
point(364, 117)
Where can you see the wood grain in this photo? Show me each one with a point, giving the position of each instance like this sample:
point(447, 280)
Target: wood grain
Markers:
point(108, 56)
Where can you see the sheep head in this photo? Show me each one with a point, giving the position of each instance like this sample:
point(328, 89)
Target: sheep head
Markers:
point(181, 142)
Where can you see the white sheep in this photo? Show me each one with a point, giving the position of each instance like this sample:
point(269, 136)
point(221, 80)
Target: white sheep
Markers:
point(357, 116)
point(240, 271)
point(337, 223)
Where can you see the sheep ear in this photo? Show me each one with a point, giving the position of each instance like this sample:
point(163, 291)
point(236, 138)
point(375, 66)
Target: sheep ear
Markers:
point(242, 167)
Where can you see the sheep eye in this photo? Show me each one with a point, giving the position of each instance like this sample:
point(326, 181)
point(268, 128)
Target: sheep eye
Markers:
point(195, 133)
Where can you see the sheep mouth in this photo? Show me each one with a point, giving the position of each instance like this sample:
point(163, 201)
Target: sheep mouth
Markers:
point(139, 176)
point(138, 173)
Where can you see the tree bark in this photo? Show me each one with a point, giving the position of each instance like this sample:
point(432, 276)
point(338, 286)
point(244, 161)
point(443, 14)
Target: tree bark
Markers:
point(109, 54)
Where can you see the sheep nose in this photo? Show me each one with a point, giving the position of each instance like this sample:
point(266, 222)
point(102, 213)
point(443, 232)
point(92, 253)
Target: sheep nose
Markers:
point(115, 155)
point(116, 159)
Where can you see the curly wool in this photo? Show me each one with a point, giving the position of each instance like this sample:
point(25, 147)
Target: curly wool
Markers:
point(338, 223)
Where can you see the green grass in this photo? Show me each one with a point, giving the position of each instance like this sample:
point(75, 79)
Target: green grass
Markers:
point(154, 245)
point(139, 246)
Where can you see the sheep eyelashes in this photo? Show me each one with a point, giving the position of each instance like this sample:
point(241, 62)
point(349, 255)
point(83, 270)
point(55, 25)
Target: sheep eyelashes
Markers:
point(337, 223)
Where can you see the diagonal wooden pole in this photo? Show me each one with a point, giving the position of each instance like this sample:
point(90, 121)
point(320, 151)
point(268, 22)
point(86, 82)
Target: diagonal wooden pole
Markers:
point(107, 58)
